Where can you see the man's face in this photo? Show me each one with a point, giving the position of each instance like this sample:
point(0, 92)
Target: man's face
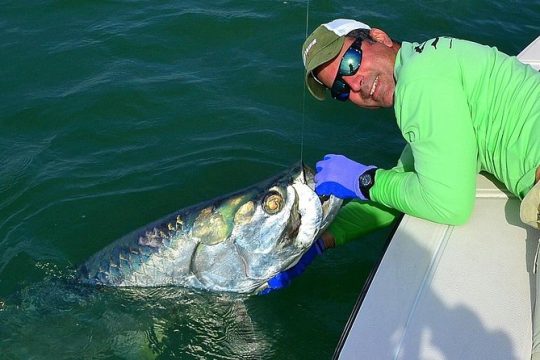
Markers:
point(373, 85)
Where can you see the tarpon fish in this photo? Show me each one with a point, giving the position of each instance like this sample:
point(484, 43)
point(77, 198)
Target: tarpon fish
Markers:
point(235, 243)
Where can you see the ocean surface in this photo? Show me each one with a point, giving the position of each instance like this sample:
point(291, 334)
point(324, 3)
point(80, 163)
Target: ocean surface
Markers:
point(116, 113)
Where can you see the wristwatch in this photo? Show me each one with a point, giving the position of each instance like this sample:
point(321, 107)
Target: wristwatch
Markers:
point(366, 181)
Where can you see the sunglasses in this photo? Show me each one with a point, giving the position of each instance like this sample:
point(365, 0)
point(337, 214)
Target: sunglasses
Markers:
point(349, 65)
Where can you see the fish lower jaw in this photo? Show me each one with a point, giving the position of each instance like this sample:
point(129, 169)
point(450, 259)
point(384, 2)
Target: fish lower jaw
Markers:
point(305, 238)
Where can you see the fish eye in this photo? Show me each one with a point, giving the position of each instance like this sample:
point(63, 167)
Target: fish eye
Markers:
point(273, 202)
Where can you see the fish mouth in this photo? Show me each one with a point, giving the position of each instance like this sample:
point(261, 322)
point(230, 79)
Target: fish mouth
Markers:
point(315, 212)
point(295, 221)
point(330, 207)
point(329, 203)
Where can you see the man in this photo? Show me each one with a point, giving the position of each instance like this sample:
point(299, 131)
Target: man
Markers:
point(462, 108)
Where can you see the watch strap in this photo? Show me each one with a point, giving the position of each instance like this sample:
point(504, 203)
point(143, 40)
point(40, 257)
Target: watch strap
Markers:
point(365, 186)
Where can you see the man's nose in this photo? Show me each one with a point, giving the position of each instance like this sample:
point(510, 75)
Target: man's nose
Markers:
point(354, 82)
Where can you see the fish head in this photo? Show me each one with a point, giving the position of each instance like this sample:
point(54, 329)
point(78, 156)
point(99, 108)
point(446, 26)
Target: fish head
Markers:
point(279, 224)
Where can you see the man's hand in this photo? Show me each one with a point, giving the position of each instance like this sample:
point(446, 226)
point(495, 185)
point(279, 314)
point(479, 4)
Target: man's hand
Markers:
point(284, 278)
point(337, 175)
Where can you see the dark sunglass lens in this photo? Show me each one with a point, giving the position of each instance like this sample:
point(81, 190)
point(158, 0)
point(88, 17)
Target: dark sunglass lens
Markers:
point(350, 63)
point(340, 90)
point(342, 96)
point(339, 86)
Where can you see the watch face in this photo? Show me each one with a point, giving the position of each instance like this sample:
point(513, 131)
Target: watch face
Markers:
point(365, 180)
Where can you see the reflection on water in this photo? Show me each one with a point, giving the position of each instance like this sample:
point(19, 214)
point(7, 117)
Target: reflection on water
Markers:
point(127, 323)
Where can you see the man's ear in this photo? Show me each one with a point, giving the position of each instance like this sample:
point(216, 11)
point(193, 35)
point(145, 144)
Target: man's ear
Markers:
point(380, 36)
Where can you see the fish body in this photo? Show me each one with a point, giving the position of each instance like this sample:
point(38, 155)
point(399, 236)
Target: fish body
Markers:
point(234, 243)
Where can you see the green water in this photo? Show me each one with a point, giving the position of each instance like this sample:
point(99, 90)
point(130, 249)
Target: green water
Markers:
point(115, 113)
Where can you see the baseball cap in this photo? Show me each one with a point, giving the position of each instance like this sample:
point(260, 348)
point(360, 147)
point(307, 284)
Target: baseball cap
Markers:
point(323, 45)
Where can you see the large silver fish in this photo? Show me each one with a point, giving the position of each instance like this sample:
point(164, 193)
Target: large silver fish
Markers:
point(235, 243)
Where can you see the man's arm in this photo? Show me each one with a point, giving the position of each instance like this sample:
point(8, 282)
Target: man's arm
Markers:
point(435, 120)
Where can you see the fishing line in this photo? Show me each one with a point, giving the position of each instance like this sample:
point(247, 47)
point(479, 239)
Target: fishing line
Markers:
point(304, 95)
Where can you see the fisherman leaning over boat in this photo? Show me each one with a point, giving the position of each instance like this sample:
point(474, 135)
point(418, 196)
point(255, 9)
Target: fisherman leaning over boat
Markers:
point(461, 107)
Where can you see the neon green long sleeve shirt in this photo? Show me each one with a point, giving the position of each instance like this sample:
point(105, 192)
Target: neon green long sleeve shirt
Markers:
point(462, 108)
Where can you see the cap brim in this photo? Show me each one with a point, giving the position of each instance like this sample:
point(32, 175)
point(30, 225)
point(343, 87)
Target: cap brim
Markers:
point(315, 88)
point(325, 55)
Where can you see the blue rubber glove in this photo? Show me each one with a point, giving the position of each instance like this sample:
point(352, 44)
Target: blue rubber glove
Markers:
point(337, 175)
point(284, 278)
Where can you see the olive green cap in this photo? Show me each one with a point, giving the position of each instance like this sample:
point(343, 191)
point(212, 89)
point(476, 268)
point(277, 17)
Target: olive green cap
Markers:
point(323, 45)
